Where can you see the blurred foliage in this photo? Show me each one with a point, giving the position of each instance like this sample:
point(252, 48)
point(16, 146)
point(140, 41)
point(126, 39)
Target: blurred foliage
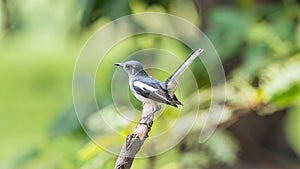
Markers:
point(258, 43)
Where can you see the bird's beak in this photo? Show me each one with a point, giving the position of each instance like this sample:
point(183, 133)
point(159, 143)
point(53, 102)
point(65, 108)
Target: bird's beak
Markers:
point(119, 64)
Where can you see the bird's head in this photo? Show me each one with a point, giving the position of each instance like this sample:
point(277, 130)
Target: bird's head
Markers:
point(131, 67)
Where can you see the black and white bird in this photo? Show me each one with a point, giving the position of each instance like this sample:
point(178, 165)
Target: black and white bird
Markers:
point(149, 90)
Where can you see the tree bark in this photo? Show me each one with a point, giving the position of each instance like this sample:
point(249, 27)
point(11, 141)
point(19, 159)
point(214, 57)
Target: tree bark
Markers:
point(135, 140)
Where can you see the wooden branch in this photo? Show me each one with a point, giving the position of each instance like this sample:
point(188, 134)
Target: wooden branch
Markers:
point(135, 140)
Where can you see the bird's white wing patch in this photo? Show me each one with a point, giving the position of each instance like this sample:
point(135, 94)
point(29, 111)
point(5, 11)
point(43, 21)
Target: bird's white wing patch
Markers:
point(144, 86)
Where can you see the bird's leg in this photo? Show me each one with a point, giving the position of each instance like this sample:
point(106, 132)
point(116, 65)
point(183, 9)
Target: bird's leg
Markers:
point(157, 108)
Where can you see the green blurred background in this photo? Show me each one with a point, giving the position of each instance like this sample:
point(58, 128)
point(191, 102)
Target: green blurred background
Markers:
point(258, 42)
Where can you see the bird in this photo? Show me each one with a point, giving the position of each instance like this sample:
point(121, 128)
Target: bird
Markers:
point(149, 90)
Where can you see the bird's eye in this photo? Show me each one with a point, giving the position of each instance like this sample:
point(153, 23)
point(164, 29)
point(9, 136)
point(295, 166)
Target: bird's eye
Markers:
point(127, 66)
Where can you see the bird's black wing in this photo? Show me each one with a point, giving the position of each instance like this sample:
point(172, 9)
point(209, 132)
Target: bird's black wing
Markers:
point(152, 89)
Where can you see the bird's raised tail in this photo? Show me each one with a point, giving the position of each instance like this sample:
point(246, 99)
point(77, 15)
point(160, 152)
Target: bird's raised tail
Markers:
point(175, 102)
point(171, 82)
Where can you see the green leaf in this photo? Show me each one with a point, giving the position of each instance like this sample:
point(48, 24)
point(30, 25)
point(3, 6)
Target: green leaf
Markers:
point(227, 38)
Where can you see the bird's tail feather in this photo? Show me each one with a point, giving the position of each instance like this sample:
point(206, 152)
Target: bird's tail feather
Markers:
point(175, 101)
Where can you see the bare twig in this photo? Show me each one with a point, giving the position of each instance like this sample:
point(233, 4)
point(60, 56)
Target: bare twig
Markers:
point(135, 140)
